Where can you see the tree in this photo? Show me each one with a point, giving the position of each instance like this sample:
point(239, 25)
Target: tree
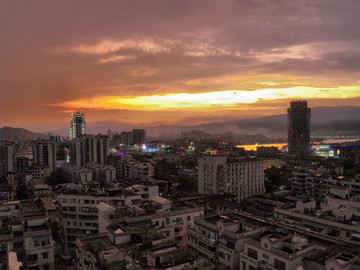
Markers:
point(56, 178)
point(276, 177)
point(165, 170)
point(188, 183)
point(21, 192)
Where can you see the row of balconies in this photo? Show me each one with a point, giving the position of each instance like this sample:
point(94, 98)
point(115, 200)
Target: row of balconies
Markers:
point(203, 250)
point(201, 237)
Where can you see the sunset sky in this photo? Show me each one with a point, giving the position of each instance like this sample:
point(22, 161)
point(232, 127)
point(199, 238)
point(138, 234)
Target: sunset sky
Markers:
point(173, 62)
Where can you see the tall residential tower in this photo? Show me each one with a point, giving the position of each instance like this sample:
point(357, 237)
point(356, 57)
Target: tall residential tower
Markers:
point(299, 127)
point(77, 125)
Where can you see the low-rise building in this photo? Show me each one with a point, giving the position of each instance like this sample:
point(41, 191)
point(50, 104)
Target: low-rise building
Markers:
point(37, 237)
point(336, 257)
point(78, 212)
point(219, 238)
point(274, 250)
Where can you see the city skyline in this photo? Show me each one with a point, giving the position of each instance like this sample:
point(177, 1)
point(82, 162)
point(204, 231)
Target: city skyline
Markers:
point(156, 62)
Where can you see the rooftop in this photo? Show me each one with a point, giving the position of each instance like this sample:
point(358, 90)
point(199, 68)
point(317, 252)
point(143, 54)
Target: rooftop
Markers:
point(96, 244)
point(48, 203)
point(29, 209)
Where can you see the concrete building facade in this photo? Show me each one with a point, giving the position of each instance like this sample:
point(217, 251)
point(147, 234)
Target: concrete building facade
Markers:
point(220, 175)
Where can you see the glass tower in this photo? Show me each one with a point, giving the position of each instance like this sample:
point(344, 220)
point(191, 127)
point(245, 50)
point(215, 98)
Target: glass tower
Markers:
point(77, 125)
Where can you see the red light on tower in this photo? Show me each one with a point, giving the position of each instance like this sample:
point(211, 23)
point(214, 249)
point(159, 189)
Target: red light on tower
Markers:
point(27, 134)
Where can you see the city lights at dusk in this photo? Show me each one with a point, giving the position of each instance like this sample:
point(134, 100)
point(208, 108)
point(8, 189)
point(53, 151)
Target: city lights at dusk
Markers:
point(180, 135)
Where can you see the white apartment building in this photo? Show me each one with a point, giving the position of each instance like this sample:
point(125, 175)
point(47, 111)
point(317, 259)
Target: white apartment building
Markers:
point(25, 230)
point(131, 169)
point(101, 172)
point(220, 239)
point(78, 214)
point(274, 250)
point(319, 185)
point(76, 173)
point(219, 175)
point(171, 223)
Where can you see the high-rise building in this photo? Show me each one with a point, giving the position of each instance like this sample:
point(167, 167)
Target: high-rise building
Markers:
point(220, 175)
point(89, 148)
point(44, 153)
point(299, 127)
point(126, 138)
point(77, 125)
point(139, 136)
point(7, 151)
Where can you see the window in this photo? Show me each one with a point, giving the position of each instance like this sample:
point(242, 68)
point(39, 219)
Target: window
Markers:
point(45, 255)
point(279, 265)
point(32, 258)
point(18, 245)
point(45, 242)
point(17, 233)
point(46, 267)
point(252, 254)
point(230, 244)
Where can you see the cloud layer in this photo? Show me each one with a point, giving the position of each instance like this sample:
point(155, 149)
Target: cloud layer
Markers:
point(165, 62)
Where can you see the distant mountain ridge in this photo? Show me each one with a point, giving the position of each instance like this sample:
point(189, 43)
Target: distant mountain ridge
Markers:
point(13, 133)
point(324, 121)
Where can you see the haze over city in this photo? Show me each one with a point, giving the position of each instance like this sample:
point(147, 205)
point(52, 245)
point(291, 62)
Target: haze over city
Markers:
point(148, 63)
point(180, 135)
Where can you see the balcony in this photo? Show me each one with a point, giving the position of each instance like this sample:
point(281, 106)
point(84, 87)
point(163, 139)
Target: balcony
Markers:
point(203, 250)
point(251, 261)
point(223, 248)
point(32, 261)
point(201, 237)
point(36, 230)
